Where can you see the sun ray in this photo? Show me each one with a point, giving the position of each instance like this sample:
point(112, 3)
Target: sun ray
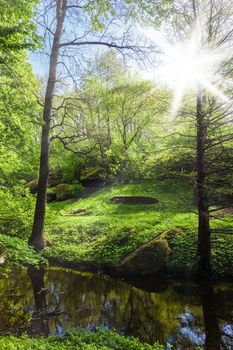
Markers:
point(188, 63)
point(177, 98)
point(213, 89)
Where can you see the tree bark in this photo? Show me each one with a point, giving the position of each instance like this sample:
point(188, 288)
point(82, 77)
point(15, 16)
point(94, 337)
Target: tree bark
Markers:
point(37, 237)
point(203, 212)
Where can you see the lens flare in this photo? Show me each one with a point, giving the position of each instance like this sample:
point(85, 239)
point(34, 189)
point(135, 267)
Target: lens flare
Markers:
point(189, 64)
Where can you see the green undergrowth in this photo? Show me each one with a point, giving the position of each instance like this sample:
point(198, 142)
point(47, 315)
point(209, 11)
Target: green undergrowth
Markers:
point(94, 230)
point(222, 254)
point(15, 253)
point(79, 340)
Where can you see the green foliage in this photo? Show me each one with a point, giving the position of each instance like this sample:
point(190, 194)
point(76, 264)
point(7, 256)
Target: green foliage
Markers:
point(183, 258)
point(65, 166)
point(67, 191)
point(152, 12)
point(17, 148)
point(17, 253)
point(116, 111)
point(17, 30)
point(19, 110)
point(77, 339)
point(222, 254)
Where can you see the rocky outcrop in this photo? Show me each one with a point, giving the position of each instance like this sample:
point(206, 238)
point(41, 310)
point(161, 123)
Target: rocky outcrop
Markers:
point(91, 174)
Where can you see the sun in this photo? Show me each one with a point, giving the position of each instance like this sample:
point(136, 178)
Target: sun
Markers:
point(182, 62)
point(187, 65)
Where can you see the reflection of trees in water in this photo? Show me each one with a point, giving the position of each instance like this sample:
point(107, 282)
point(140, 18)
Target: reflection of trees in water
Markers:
point(15, 300)
point(39, 322)
point(212, 331)
point(205, 332)
point(42, 303)
point(91, 301)
point(39, 292)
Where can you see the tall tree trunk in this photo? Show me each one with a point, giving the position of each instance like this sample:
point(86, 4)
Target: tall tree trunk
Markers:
point(37, 238)
point(203, 213)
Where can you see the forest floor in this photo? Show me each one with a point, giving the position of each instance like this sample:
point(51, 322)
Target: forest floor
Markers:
point(100, 232)
point(96, 232)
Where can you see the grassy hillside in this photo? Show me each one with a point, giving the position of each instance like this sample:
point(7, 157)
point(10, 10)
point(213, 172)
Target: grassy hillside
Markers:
point(96, 231)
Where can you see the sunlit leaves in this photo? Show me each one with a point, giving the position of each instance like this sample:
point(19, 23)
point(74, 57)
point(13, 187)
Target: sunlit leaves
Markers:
point(17, 30)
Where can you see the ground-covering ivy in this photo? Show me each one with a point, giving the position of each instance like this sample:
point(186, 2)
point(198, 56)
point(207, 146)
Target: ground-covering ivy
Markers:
point(77, 339)
point(95, 231)
point(15, 254)
point(103, 233)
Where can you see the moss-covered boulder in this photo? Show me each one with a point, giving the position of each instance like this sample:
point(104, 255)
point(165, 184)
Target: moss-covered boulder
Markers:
point(67, 191)
point(32, 185)
point(91, 174)
point(147, 260)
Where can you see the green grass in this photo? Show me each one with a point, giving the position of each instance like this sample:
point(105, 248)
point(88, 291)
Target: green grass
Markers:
point(79, 340)
point(104, 233)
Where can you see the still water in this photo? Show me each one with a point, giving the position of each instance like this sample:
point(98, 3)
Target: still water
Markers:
point(184, 314)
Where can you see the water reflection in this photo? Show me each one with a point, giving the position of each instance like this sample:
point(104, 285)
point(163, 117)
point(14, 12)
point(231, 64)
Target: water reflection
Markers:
point(185, 315)
point(38, 324)
point(212, 331)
